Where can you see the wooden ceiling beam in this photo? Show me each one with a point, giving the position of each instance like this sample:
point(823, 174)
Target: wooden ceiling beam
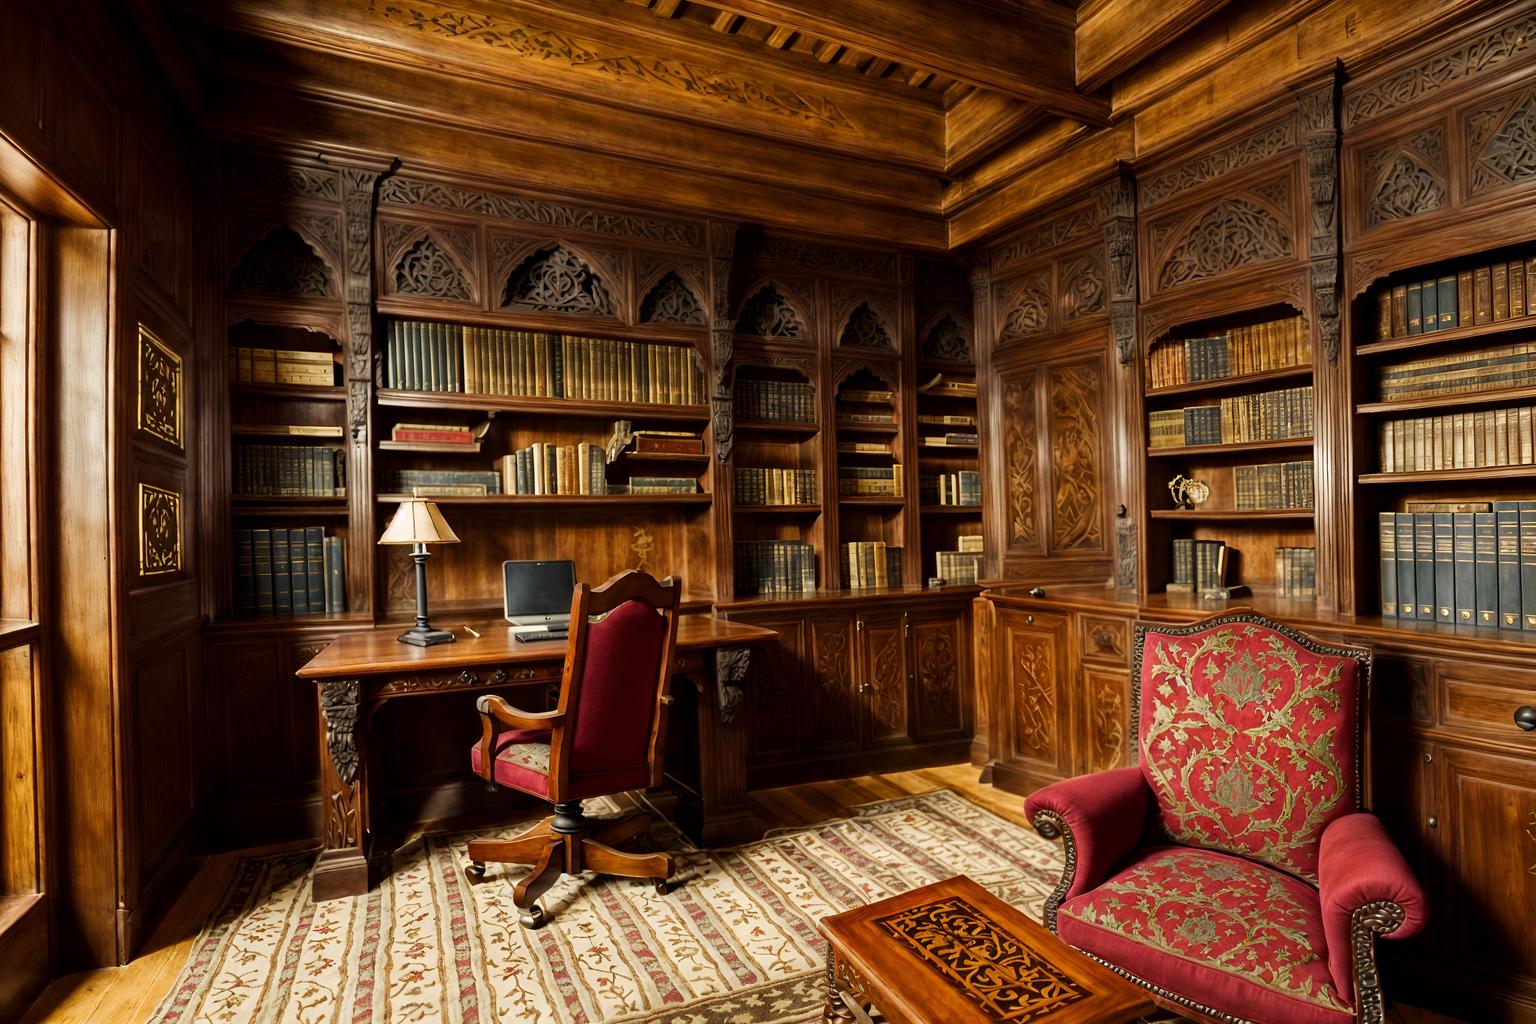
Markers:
point(1116, 35)
point(667, 8)
point(1029, 55)
point(780, 37)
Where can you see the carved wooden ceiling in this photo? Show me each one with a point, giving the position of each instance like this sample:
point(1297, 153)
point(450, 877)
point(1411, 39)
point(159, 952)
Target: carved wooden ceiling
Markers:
point(921, 123)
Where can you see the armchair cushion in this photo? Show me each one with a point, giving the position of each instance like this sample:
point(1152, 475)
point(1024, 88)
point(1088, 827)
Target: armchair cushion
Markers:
point(522, 760)
point(612, 715)
point(1106, 812)
point(1359, 865)
point(1248, 740)
point(1219, 930)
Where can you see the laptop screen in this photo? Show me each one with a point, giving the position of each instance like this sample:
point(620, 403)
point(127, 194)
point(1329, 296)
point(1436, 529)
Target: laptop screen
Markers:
point(538, 588)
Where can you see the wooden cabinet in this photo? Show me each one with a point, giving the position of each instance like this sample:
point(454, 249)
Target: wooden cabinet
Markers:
point(858, 685)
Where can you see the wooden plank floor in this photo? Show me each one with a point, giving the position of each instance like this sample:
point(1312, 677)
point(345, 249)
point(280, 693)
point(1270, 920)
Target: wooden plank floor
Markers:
point(127, 995)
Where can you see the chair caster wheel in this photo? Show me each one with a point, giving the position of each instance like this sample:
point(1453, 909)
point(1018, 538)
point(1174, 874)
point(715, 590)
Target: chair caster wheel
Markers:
point(533, 917)
point(663, 886)
point(474, 872)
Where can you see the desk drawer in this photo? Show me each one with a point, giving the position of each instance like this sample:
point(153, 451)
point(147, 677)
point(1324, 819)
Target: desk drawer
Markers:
point(1482, 699)
point(1104, 638)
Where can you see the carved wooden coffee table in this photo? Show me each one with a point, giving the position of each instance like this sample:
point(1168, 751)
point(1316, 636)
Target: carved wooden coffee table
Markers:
point(953, 952)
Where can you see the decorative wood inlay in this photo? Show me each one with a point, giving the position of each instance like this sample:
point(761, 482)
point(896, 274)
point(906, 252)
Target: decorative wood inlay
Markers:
point(557, 280)
point(889, 703)
point(426, 270)
point(546, 45)
point(1107, 707)
point(1034, 684)
point(948, 338)
point(1244, 152)
point(159, 530)
point(159, 412)
point(283, 263)
point(1019, 446)
point(1077, 405)
point(1406, 177)
point(1125, 553)
point(671, 301)
point(938, 677)
point(767, 314)
point(1501, 142)
point(642, 543)
point(865, 329)
point(1082, 285)
point(1471, 57)
point(1058, 231)
point(1026, 308)
point(463, 680)
point(1008, 980)
point(1235, 232)
point(838, 261)
point(265, 176)
point(834, 712)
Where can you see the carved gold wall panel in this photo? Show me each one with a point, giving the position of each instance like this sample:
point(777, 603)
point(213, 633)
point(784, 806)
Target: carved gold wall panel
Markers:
point(159, 531)
point(160, 389)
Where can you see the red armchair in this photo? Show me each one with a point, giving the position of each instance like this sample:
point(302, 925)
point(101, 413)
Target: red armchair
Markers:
point(606, 735)
point(1233, 872)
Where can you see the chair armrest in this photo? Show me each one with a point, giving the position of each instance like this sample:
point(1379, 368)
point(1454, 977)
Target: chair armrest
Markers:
point(495, 713)
point(1100, 818)
point(1366, 889)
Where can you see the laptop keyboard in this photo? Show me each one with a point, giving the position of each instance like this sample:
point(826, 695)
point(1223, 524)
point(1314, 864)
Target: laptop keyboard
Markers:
point(536, 636)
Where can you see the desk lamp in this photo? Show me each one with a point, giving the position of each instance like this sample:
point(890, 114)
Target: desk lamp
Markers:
point(418, 522)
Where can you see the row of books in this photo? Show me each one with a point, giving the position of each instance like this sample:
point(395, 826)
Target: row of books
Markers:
point(279, 570)
point(870, 563)
point(284, 366)
point(544, 468)
point(962, 488)
point(953, 440)
point(1460, 440)
point(869, 396)
point(947, 419)
point(845, 418)
point(774, 401)
point(865, 448)
point(1257, 348)
point(939, 384)
point(1474, 563)
point(1199, 566)
point(424, 356)
point(1296, 572)
point(869, 481)
point(290, 471)
point(1461, 373)
point(1274, 485)
point(436, 433)
point(962, 565)
point(661, 485)
point(1244, 419)
point(774, 567)
point(1482, 295)
point(754, 485)
point(441, 482)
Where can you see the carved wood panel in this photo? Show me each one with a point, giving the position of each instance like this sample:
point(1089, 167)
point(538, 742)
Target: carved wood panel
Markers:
point(671, 301)
point(1405, 177)
point(1501, 142)
point(947, 336)
point(283, 263)
point(1106, 719)
point(768, 313)
point(557, 278)
point(834, 723)
point(1020, 459)
point(775, 693)
point(938, 672)
point(1245, 226)
point(1033, 661)
point(163, 770)
point(1076, 428)
point(437, 262)
point(883, 675)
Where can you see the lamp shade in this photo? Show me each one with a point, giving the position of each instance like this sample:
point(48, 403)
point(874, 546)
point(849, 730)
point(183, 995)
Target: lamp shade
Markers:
point(418, 521)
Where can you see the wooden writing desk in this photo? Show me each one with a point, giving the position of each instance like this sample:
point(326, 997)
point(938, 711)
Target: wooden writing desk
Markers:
point(359, 672)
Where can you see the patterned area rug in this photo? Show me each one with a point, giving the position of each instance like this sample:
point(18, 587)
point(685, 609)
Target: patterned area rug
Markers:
point(734, 943)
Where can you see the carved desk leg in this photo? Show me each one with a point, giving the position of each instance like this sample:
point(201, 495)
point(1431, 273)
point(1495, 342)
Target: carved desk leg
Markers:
point(836, 1011)
point(343, 866)
point(719, 815)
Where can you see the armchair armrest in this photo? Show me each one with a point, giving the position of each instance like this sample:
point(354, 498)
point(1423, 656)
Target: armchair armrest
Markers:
point(1100, 818)
point(1366, 889)
point(496, 713)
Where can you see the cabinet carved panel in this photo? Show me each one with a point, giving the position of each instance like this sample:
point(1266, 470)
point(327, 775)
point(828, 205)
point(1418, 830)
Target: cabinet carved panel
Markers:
point(1019, 455)
point(1033, 667)
point(936, 652)
point(834, 722)
point(1076, 428)
point(1501, 142)
point(775, 693)
point(885, 675)
point(1107, 722)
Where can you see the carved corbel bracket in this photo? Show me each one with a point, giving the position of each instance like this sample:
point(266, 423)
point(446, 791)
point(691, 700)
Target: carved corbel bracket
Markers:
point(1116, 204)
point(722, 335)
point(339, 701)
point(1319, 112)
point(731, 664)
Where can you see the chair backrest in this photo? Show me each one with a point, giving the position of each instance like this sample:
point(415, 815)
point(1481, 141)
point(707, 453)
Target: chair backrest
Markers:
point(617, 666)
point(1249, 735)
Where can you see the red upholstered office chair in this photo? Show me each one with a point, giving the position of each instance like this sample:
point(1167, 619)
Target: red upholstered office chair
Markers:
point(1232, 871)
point(606, 735)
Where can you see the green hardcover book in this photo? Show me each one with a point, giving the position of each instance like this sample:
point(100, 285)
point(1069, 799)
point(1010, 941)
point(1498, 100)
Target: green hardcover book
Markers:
point(298, 570)
point(1506, 516)
point(1429, 302)
point(1446, 302)
point(1485, 544)
point(314, 550)
point(1415, 308)
point(1445, 568)
point(1464, 569)
point(261, 570)
point(282, 579)
point(1528, 565)
point(245, 578)
point(335, 575)
point(1424, 565)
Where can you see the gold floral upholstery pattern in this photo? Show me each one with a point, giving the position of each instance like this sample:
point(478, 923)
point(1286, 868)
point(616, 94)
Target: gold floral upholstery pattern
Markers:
point(1217, 912)
point(1248, 741)
point(533, 756)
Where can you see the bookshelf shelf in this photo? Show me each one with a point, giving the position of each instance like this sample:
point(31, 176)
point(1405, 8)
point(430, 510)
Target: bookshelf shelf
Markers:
point(569, 407)
point(1225, 383)
point(869, 501)
point(434, 447)
point(273, 508)
point(769, 427)
point(778, 510)
point(1447, 401)
point(660, 457)
point(1250, 446)
point(1233, 515)
point(953, 451)
point(869, 428)
point(310, 393)
point(273, 432)
point(1453, 334)
point(950, 510)
point(559, 500)
point(1452, 475)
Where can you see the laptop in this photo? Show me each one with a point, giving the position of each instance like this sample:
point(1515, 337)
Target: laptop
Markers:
point(537, 595)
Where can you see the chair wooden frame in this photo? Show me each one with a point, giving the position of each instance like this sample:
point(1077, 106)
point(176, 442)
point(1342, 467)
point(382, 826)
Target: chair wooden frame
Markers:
point(568, 842)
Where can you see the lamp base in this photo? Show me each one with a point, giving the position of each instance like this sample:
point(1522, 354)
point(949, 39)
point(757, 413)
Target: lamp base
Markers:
point(418, 637)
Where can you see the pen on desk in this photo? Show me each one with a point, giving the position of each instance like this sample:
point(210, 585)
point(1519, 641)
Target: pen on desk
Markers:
point(470, 631)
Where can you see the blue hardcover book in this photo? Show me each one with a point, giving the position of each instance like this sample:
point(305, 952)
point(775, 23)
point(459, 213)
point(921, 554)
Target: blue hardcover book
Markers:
point(314, 550)
point(298, 570)
point(1506, 515)
point(282, 581)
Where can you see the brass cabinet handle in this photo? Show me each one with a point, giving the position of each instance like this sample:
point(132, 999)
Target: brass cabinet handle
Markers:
point(1103, 639)
point(1029, 620)
point(1434, 822)
point(1525, 717)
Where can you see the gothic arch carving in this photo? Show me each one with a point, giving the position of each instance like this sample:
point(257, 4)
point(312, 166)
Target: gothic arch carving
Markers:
point(555, 278)
point(1406, 177)
point(1026, 307)
point(284, 262)
point(865, 328)
point(768, 313)
point(671, 301)
point(1241, 230)
point(947, 335)
point(426, 263)
point(1501, 143)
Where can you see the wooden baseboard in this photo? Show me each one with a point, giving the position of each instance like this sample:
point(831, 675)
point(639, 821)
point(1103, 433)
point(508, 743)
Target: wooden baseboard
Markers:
point(23, 951)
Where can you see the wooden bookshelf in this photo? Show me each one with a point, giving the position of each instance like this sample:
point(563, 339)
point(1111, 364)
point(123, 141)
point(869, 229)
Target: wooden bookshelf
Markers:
point(941, 526)
point(574, 408)
point(1499, 396)
point(1235, 382)
point(1218, 449)
point(1449, 336)
point(874, 388)
point(552, 501)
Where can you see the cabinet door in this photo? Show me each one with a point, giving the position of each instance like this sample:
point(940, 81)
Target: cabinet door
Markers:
point(776, 693)
point(1486, 824)
point(1031, 702)
point(883, 678)
point(831, 704)
point(1107, 740)
point(939, 674)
